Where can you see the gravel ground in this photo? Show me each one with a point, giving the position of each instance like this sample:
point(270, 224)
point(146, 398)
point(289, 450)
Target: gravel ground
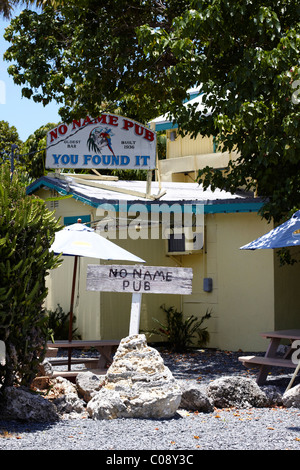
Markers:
point(172, 441)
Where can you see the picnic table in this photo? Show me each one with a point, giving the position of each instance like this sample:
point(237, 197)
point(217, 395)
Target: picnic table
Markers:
point(99, 364)
point(271, 357)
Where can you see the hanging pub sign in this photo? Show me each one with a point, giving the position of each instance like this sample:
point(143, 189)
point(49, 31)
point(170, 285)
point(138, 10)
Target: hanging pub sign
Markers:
point(109, 141)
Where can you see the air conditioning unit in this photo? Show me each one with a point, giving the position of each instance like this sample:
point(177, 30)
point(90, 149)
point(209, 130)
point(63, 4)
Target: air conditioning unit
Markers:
point(184, 240)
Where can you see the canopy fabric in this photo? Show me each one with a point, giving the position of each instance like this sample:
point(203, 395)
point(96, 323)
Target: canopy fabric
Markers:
point(285, 235)
point(80, 240)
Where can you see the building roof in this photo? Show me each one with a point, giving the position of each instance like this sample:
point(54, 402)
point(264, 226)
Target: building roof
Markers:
point(164, 122)
point(119, 192)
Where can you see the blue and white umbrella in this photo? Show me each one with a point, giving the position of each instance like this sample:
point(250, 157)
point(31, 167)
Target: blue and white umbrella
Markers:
point(285, 235)
point(79, 240)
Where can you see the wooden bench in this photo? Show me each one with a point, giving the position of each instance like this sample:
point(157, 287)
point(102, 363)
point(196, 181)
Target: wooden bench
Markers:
point(254, 361)
point(106, 348)
point(265, 363)
point(271, 358)
point(87, 361)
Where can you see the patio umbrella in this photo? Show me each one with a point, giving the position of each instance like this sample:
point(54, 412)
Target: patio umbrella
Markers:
point(283, 236)
point(79, 240)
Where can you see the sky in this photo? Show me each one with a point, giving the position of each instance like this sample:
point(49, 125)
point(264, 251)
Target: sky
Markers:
point(26, 115)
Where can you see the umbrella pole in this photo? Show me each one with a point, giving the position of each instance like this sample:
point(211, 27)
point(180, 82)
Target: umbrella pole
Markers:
point(71, 311)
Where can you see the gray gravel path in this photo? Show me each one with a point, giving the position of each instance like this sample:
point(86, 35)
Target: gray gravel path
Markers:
point(180, 437)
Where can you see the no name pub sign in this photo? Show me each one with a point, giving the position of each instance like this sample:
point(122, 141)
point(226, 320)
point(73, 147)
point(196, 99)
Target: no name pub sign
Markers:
point(139, 279)
point(109, 141)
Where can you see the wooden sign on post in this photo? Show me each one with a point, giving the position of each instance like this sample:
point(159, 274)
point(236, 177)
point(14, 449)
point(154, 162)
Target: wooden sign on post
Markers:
point(139, 279)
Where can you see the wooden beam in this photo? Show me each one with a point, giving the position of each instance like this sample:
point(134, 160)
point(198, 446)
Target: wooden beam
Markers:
point(97, 176)
point(95, 181)
point(117, 189)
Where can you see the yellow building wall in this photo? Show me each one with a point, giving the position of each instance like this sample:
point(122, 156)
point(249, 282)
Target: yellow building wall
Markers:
point(183, 146)
point(242, 298)
point(86, 303)
point(245, 283)
point(185, 156)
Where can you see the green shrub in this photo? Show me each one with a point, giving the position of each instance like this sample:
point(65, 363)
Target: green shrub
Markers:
point(181, 333)
point(58, 324)
point(27, 231)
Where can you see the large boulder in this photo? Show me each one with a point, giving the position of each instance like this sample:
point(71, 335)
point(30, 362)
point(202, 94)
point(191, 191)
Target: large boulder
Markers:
point(291, 398)
point(194, 397)
point(63, 394)
point(241, 392)
point(273, 395)
point(137, 385)
point(24, 405)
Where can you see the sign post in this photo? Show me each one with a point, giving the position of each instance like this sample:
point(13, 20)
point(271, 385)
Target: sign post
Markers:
point(135, 314)
point(139, 279)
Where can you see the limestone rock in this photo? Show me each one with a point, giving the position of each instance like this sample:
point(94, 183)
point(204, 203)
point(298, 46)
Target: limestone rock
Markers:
point(241, 392)
point(291, 398)
point(65, 397)
point(137, 385)
point(88, 384)
point(21, 404)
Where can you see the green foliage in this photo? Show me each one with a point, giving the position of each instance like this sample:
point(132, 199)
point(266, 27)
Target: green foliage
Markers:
point(181, 332)
point(7, 6)
point(58, 324)
point(11, 147)
point(85, 53)
point(245, 55)
point(27, 231)
point(145, 55)
point(34, 153)
point(8, 136)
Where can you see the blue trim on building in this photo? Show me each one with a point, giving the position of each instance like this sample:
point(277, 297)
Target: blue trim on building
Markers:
point(231, 208)
point(165, 126)
point(38, 184)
